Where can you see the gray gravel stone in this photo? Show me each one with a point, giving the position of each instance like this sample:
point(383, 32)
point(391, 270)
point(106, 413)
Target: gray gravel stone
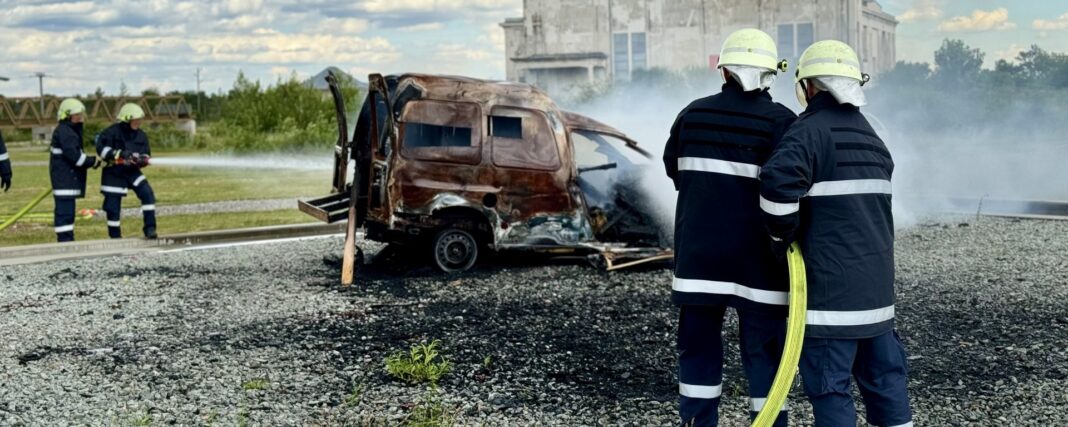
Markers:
point(177, 337)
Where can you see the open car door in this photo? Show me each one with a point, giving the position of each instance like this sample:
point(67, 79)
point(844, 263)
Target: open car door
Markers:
point(349, 200)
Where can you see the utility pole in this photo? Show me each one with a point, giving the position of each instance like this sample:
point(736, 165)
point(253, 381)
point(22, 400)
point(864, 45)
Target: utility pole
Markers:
point(198, 92)
point(40, 86)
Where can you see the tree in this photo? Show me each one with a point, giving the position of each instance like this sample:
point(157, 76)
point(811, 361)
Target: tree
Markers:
point(958, 64)
point(905, 73)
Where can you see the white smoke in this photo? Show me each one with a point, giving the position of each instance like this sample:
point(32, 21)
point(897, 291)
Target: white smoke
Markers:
point(305, 162)
point(1018, 158)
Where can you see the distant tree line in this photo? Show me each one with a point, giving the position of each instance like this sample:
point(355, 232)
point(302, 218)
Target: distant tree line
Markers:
point(1024, 97)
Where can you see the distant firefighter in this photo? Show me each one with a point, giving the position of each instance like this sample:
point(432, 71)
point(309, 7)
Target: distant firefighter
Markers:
point(723, 256)
point(124, 146)
point(68, 166)
point(5, 166)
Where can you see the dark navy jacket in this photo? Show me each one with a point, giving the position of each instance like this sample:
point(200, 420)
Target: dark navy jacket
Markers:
point(827, 186)
point(120, 136)
point(714, 155)
point(5, 161)
point(68, 163)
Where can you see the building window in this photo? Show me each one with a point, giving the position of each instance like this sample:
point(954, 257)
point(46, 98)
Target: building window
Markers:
point(795, 38)
point(629, 53)
point(805, 37)
point(786, 41)
point(637, 51)
point(620, 56)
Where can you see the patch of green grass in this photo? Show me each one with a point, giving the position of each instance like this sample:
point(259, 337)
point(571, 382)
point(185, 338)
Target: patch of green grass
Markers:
point(431, 412)
point(421, 364)
point(172, 185)
point(40, 230)
point(256, 384)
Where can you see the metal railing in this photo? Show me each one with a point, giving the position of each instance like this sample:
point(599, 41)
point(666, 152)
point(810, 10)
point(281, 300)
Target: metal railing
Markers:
point(31, 112)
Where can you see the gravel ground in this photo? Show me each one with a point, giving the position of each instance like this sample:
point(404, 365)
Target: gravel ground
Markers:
point(261, 335)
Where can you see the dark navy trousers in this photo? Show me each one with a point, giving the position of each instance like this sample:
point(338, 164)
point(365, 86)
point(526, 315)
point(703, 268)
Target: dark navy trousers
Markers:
point(63, 219)
point(879, 365)
point(700, 345)
point(113, 206)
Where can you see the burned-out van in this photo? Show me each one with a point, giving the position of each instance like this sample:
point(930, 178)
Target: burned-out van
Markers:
point(452, 166)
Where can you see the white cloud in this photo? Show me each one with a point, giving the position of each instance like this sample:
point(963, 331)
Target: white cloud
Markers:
point(435, 5)
point(426, 26)
point(980, 20)
point(160, 43)
point(1009, 54)
point(1059, 23)
point(922, 10)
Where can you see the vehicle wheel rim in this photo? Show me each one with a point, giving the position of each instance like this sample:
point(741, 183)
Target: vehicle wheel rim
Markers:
point(454, 251)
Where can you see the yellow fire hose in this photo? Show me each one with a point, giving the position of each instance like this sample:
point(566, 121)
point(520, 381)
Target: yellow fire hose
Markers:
point(795, 336)
point(26, 209)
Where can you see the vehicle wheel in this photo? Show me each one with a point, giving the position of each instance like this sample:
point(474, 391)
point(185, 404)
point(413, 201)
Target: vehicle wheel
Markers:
point(454, 250)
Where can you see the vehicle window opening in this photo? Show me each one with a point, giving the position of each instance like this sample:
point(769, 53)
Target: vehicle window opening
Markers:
point(421, 135)
point(441, 131)
point(506, 127)
point(523, 139)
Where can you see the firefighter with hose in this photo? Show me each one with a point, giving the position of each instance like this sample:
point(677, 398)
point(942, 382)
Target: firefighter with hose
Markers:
point(68, 166)
point(827, 187)
point(5, 166)
point(124, 147)
point(722, 253)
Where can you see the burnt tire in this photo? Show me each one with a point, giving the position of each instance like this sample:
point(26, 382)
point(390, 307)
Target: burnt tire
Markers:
point(454, 250)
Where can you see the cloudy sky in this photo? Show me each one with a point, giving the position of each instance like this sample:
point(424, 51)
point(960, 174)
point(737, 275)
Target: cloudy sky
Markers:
point(83, 45)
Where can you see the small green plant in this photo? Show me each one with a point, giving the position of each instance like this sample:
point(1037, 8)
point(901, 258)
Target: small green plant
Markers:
point(142, 420)
point(211, 417)
point(256, 384)
point(431, 412)
point(242, 416)
point(487, 361)
point(355, 396)
point(422, 363)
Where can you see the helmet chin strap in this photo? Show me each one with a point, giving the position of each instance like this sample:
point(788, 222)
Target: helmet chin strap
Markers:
point(801, 90)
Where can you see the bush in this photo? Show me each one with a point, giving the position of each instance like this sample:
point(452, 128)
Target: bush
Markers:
point(421, 364)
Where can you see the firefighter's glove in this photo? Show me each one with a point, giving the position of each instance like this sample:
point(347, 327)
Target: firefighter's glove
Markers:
point(779, 247)
point(94, 162)
point(115, 159)
point(5, 182)
point(139, 160)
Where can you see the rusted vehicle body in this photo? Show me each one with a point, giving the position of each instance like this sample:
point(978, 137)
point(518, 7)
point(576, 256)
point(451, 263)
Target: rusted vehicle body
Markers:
point(453, 165)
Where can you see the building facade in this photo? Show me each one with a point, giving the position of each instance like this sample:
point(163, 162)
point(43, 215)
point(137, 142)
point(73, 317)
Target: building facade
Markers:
point(559, 44)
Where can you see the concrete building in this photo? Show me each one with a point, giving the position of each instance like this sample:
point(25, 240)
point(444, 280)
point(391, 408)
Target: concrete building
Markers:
point(558, 44)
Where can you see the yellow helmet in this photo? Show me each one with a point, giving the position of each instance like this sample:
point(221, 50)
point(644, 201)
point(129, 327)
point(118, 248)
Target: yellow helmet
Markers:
point(70, 107)
point(829, 58)
point(130, 111)
point(753, 48)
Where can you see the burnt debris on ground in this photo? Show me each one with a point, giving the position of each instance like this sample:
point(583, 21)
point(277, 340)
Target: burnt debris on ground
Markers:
point(262, 333)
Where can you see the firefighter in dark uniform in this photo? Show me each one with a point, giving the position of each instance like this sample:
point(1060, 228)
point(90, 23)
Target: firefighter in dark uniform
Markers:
point(68, 166)
point(5, 166)
point(827, 186)
point(124, 147)
point(723, 257)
